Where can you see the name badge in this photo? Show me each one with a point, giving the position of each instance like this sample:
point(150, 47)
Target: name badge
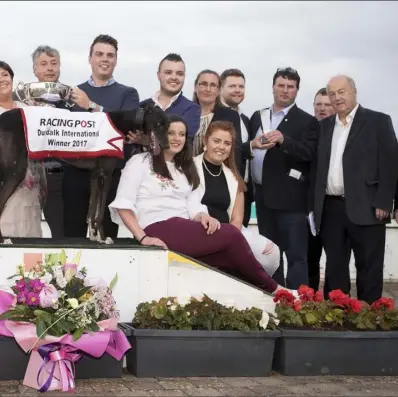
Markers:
point(295, 174)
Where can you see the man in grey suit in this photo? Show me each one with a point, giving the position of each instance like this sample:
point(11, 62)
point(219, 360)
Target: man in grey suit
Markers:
point(355, 182)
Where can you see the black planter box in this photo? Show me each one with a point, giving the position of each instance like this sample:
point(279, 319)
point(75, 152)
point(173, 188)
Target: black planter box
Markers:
point(164, 353)
point(310, 353)
point(14, 361)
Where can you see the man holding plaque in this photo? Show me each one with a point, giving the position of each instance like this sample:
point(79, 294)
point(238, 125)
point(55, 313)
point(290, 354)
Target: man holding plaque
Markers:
point(101, 93)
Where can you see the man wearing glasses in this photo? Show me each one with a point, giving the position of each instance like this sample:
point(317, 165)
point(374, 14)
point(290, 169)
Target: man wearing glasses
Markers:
point(283, 140)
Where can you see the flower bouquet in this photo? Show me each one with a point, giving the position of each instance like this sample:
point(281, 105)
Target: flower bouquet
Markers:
point(339, 312)
point(58, 313)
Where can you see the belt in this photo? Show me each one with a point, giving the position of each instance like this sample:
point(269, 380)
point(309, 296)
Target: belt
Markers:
point(342, 197)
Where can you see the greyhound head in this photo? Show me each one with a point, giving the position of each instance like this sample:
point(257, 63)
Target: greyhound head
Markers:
point(150, 120)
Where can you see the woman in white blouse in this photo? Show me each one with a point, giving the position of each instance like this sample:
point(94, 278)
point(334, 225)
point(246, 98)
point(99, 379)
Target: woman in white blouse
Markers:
point(224, 190)
point(159, 201)
point(22, 213)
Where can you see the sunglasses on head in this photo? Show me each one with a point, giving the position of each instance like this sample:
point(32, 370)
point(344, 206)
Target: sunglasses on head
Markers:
point(288, 69)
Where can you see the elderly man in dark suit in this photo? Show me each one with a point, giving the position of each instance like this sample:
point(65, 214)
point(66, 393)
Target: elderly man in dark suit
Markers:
point(354, 189)
point(283, 145)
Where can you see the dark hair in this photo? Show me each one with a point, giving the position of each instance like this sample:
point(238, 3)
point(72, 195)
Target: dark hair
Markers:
point(207, 71)
point(230, 161)
point(7, 68)
point(231, 73)
point(172, 57)
point(322, 91)
point(287, 73)
point(104, 39)
point(183, 160)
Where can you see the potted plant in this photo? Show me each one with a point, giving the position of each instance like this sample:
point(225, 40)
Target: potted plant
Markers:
point(338, 336)
point(200, 337)
point(64, 319)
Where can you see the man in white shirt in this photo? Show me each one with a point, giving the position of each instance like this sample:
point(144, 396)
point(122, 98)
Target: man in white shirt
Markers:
point(357, 172)
point(232, 94)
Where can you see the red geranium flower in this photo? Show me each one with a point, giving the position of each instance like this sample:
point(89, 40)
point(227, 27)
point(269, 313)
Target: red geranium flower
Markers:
point(318, 296)
point(306, 293)
point(339, 298)
point(383, 304)
point(297, 306)
point(355, 305)
point(284, 297)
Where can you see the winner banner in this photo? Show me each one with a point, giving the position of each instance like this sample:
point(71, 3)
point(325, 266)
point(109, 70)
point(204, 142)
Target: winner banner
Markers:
point(59, 133)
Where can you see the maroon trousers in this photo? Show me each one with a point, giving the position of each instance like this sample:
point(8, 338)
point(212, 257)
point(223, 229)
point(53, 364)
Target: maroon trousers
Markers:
point(226, 249)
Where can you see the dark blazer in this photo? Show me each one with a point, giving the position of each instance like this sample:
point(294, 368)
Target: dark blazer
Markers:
point(370, 166)
point(281, 191)
point(222, 113)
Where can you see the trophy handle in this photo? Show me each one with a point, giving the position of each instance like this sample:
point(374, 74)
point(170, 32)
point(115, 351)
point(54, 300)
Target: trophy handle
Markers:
point(22, 88)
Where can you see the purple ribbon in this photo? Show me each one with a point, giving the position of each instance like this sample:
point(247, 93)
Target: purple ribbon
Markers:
point(62, 355)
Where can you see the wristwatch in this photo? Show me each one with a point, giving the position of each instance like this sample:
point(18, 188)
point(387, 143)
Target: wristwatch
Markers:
point(92, 106)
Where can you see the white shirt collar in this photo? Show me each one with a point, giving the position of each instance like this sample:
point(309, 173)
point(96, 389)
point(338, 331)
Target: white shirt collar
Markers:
point(155, 98)
point(284, 111)
point(349, 117)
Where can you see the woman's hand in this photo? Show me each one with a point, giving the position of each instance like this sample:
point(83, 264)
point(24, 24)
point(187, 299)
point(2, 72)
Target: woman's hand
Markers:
point(268, 248)
point(209, 223)
point(153, 241)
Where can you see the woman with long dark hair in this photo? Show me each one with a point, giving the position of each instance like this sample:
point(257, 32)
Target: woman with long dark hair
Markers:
point(159, 201)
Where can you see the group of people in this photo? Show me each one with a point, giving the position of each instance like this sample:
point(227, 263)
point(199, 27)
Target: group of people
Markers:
point(336, 170)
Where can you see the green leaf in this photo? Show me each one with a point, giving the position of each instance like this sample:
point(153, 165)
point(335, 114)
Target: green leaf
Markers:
point(113, 282)
point(310, 318)
point(42, 315)
point(62, 257)
point(160, 311)
point(77, 334)
point(40, 328)
point(81, 292)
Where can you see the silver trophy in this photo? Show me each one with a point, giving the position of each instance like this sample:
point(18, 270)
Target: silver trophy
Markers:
point(43, 94)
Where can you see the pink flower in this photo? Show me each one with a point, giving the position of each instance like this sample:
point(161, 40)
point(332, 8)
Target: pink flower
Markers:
point(36, 285)
point(21, 297)
point(48, 296)
point(70, 270)
point(20, 285)
point(32, 299)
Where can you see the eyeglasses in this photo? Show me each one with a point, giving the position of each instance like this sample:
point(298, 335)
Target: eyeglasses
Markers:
point(203, 85)
point(287, 69)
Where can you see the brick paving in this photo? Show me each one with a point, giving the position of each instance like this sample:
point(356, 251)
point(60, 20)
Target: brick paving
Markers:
point(273, 386)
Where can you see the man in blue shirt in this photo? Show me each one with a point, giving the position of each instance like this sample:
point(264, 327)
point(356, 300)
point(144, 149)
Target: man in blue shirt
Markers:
point(171, 75)
point(101, 93)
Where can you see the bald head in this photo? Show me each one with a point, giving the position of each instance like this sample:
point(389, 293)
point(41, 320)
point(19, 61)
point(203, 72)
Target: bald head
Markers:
point(342, 94)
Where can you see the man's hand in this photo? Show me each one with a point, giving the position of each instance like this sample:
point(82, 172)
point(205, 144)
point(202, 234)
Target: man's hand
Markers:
point(261, 142)
point(381, 214)
point(275, 137)
point(138, 138)
point(80, 98)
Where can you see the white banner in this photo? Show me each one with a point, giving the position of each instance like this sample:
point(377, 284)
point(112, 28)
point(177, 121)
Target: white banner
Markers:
point(59, 133)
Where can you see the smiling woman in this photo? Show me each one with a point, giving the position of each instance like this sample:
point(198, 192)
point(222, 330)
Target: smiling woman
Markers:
point(22, 213)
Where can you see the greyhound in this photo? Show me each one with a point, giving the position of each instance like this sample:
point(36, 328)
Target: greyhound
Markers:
point(150, 120)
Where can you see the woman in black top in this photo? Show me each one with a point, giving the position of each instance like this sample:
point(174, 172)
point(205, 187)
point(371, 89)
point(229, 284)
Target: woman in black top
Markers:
point(224, 190)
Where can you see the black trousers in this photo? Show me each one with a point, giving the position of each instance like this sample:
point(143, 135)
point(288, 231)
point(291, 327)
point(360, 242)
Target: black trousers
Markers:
point(313, 258)
point(53, 208)
point(289, 230)
point(248, 208)
point(339, 235)
point(76, 196)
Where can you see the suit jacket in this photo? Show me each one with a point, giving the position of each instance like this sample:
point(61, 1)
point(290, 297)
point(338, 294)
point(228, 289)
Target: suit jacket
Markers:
point(280, 190)
point(370, 168)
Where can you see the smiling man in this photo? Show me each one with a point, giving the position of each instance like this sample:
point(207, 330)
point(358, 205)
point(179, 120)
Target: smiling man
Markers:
point(171, 76)
point(101, 93)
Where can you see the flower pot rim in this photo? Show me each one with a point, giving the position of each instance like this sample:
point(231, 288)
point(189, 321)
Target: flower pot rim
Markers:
point(146, 332)
point(322, 334)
